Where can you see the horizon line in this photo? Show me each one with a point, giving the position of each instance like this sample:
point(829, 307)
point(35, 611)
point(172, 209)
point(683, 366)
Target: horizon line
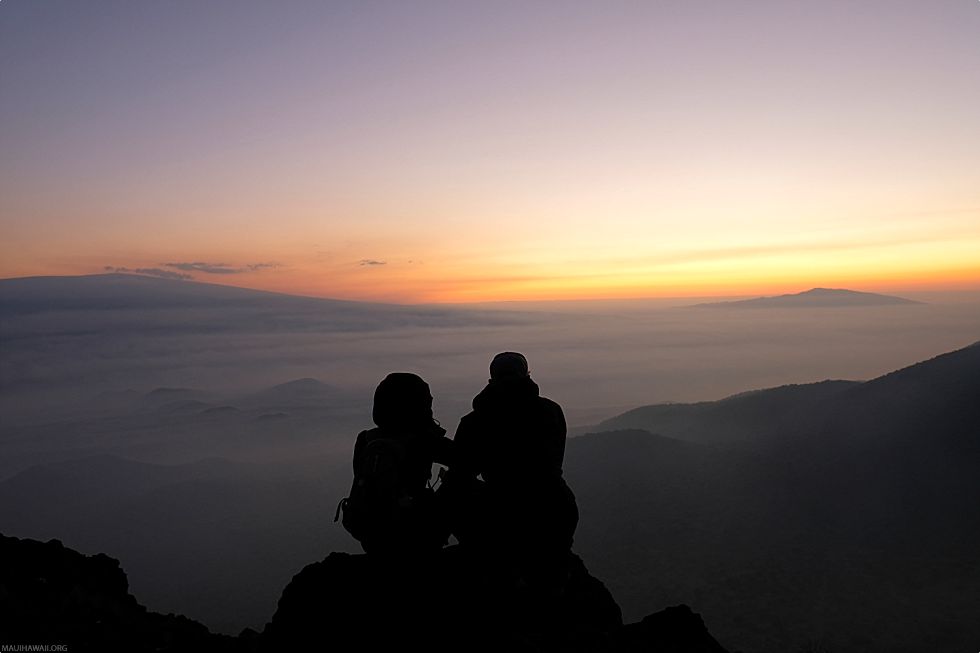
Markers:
point(782, 291)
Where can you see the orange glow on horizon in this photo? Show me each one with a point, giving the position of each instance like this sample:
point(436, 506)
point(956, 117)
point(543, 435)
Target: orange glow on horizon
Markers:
point(475, 288)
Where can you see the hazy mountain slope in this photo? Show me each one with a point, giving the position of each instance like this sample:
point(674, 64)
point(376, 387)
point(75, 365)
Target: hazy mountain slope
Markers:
point(935, 396)
point(937, 400)
point(750, 416)
point(855, 505)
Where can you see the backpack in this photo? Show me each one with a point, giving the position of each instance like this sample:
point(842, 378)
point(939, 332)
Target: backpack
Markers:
point(378, 502)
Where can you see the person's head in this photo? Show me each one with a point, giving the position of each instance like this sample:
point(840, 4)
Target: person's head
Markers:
point(509, 366)
point(402, 400)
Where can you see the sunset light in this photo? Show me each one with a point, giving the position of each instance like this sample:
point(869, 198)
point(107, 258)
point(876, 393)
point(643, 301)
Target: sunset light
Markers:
point(443, 153)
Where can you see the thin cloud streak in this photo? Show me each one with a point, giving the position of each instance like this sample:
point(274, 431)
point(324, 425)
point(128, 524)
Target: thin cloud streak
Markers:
point(150, 272)
point(258, 267)
point(221, 268)
point(208, 268)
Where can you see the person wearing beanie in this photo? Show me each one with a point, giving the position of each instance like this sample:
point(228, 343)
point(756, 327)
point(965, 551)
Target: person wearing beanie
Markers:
point(523, 514)
point(391, 508)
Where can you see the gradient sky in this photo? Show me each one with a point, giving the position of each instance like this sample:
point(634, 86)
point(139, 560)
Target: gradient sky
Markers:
point(458, 151)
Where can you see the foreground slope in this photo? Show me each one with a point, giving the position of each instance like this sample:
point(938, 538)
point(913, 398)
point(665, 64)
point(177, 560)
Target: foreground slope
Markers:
point(847, 522)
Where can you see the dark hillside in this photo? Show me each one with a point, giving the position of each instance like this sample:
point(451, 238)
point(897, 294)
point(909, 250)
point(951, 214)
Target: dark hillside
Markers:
point(830, 502)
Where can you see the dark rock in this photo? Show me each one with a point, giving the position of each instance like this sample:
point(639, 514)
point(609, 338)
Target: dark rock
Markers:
point(361, 602)
point(674, 630)
point(369, 603)
point(53, 595)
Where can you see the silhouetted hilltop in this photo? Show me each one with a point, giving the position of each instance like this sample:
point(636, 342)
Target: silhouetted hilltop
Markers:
point(815, 298)
point(53, 595)
point(300, 392)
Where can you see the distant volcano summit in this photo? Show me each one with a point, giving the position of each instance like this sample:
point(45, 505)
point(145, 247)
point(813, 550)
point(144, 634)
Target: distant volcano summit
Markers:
point(815, 298)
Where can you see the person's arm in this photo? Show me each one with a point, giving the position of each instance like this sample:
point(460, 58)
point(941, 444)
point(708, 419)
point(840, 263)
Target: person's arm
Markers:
point(443, 451)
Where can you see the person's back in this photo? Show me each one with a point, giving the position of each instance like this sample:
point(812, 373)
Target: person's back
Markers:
point(515, 439)
point(391, 508)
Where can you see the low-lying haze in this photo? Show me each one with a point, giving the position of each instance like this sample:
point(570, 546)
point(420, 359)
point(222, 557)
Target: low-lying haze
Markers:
point(121, 332)
point(196, 431)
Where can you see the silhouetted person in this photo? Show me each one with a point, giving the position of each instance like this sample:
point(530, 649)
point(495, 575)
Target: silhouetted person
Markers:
point(523, 514)
point(391, 508)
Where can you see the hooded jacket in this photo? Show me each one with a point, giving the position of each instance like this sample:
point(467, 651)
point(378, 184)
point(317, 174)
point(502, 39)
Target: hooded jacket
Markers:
point(403, 412)
point(514, 438)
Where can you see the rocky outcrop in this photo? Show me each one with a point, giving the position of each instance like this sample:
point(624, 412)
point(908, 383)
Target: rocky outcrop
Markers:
point(674, 630)
point(370, 603)
point(360, 602)
point(52, 595)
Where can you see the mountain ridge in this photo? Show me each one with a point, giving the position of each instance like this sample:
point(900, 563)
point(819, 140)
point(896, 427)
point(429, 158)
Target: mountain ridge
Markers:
point(120, 290)
point(815, 298)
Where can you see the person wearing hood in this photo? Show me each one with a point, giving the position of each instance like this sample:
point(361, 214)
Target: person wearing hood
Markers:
point(391, 507)
point(514, 439)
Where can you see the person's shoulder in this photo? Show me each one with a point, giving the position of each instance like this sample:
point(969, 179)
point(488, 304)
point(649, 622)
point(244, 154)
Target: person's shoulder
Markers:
point(368, 434)
point(550, 404)
point(551, 412)
point(473, 426)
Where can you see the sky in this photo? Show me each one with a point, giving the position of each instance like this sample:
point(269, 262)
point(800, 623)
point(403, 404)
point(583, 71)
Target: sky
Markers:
point(462, 151)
